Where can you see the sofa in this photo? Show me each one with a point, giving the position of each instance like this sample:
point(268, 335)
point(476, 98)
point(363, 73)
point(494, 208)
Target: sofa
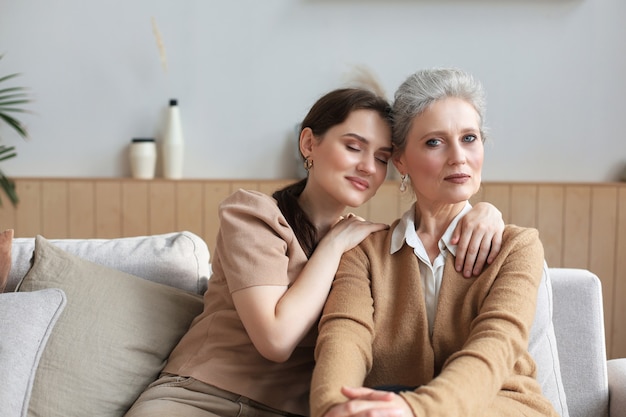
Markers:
point(87, 324)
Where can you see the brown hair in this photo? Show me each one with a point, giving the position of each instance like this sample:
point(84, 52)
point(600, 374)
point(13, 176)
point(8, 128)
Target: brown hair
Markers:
point(330, 110)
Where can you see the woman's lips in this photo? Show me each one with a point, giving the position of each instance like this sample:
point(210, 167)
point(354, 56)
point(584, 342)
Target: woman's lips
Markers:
point(458, 178)
point(359, 183)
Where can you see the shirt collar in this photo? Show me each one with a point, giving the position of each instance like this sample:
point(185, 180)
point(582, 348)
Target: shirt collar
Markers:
point(405, 231)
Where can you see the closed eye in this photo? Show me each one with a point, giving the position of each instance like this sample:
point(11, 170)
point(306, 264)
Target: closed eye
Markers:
point(383, 160)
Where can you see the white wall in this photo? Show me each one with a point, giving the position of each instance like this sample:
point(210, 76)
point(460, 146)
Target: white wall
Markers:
point(246, 71)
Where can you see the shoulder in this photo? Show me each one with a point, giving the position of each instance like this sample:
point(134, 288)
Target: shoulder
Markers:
point(376, 246)
point(243, 199)
point(251, 207)
point(519, 235)
point(522, 240)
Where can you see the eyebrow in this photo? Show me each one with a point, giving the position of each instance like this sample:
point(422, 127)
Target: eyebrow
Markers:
point(463, 131)
point(367, 142)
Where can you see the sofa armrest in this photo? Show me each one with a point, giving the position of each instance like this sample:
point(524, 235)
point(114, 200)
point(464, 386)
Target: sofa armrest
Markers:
point(617, 387)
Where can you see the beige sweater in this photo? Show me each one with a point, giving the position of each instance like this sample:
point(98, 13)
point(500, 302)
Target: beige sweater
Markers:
point(374, 332)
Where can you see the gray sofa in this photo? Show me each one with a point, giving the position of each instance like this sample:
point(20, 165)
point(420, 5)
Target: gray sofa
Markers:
point(88, 323)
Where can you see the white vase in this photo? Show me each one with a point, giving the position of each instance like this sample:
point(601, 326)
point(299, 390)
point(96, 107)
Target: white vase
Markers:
point(173, 145)
point(143, 157)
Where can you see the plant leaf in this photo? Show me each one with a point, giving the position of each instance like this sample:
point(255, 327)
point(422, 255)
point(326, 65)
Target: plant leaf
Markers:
point(13, 96)
point(15, 124)
point(13, 102)
point(10, 89)
point(12, 109)
point(8, 77)
point(8, 186)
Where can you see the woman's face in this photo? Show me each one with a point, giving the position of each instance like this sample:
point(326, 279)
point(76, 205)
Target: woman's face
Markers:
point(350, 161)
point(444, 152)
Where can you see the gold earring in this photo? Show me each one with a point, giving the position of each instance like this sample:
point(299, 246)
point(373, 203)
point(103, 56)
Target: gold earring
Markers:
point(403, 181)
point(308, 164)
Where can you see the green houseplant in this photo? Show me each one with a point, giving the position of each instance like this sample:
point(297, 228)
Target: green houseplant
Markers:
point(11, 101)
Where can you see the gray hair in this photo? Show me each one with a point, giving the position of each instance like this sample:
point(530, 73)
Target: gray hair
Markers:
point(425, 87)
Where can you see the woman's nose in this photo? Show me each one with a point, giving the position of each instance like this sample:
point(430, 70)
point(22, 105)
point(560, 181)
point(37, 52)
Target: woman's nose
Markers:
point(457, 154)
point(367, 165)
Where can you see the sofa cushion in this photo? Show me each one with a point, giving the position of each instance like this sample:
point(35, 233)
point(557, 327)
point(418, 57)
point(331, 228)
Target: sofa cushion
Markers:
point(542, 346)
point(178, 259)
point(27, 321)
point(6, 241)
point(113, 339)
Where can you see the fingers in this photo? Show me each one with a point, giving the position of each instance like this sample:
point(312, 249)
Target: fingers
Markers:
point(462, 251)
point(479, 235)
point(354, 216)
point(363, 393)
point(496, 245)
point(358, 408)
point(480, 258)
point(472, 251)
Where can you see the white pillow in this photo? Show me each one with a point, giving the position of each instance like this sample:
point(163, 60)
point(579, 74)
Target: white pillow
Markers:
point(177, 259)
point(543, 348)
point(26, 324)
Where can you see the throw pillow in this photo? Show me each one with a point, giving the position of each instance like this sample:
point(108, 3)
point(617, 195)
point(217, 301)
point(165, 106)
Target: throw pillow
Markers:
point(177, 259)
point(112, 340)
point(542, 346)
point(27, 321)
point(6, 242)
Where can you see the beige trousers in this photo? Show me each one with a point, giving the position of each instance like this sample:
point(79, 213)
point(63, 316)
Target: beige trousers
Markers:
point(176, 396)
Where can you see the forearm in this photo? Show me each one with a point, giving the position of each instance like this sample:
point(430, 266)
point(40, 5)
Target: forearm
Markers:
point(343, 352)
point(301, 305)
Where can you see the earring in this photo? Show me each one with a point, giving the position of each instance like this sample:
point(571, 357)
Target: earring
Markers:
point(308, 164)
point(403, 180)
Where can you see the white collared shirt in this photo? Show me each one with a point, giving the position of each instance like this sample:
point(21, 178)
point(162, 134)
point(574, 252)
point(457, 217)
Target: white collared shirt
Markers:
point(431, 274)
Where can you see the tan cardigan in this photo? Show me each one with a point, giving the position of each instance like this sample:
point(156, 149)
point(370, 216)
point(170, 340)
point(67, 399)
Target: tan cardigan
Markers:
point(374, 332)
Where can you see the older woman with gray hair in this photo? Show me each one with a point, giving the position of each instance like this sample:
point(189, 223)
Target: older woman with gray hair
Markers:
point(403, 333)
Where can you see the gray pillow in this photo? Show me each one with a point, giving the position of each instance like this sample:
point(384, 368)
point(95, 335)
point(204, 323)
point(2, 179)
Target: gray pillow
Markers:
point(26, 324)
point(112, 340)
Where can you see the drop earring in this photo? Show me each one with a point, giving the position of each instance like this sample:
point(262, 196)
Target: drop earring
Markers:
point(403, 181)
point(308, 164)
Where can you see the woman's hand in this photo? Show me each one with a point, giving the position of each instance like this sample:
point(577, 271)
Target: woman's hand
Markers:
point(367, 402)
point(350, 230)
point(478, 237)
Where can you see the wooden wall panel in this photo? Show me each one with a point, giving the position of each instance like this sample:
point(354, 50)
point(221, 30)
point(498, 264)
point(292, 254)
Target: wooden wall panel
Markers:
point(54, 209)
point(268, 187)
point(618, 330)
point(602, 240)
point(576, 226)
point(550, 208)
point(523, 205)
point(189, 207)
point(385, 204)
point(500, 196)
point(580, 225)
point(214, 193)
point(108, 209)
point(81, 209)
point(162, 207)
point(135, 208)
point(28, 218)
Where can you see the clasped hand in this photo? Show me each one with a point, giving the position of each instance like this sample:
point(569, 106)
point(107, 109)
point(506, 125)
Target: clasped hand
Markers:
point(367, 402)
